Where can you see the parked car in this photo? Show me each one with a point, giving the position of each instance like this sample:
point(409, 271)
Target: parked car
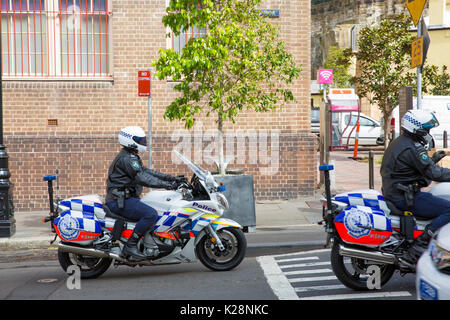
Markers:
point(433, 268)
point(369, 129)
point(315, 121)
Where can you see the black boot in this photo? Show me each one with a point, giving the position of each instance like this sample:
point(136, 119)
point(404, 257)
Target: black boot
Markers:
point(130, 250)
point(419, 246)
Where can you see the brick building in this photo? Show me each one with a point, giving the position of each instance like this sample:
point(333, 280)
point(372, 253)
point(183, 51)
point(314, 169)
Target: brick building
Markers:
point(70, 83)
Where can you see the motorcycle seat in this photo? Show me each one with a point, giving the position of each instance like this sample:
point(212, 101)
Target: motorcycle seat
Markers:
point(397, 212)
point(112, 215)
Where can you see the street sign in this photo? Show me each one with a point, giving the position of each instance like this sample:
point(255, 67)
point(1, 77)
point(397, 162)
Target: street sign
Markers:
point(325, 76)
point(415, 8)
point(426, 41)
point(144, 87)
point(417, 53)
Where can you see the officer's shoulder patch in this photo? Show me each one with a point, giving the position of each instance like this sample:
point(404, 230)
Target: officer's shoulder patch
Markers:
point(424, 156)
point(135, 164)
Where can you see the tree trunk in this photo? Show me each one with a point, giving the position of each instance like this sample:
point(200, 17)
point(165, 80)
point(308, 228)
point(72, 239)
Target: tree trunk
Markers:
point(220, 146)
point(387, 127)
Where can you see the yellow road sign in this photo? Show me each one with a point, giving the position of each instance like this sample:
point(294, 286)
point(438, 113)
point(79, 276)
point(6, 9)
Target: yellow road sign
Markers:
point(415, 8)
point(417, 53)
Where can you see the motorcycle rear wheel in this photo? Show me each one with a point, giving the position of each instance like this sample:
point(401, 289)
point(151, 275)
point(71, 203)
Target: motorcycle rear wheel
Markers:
point(235, 247)
point(356, 279)
point(90, 267)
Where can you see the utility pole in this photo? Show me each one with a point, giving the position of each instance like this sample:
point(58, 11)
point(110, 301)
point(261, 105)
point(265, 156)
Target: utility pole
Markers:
point(419, 69)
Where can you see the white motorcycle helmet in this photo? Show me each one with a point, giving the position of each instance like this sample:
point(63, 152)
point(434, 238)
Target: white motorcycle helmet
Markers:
point(133, 138)
point(419, 122)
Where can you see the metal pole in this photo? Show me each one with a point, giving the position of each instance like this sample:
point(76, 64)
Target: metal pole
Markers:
point(150, 125)
point(371, 182)
point(419, 69)
point(445, 142)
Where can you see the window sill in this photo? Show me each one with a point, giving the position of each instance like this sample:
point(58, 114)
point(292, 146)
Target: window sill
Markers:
point(70, 79)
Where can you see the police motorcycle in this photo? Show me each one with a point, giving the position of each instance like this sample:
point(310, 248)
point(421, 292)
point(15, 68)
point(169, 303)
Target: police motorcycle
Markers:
point(190, 226)
point(366, 231)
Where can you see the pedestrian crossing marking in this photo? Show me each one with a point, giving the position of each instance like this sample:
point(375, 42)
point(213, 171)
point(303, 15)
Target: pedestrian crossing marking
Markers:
point(320, 288)
point(296, 259)
point(312, 279)
point(366, 295)
point(289, 284)
point(293, 273)
point(310, 264)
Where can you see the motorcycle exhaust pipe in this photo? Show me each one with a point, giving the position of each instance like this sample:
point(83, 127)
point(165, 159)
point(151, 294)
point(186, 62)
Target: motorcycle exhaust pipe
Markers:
point(87, 252)
point(380, 257)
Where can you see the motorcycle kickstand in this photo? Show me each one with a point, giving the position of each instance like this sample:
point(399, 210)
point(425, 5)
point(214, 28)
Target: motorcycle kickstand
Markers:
point(214, 235)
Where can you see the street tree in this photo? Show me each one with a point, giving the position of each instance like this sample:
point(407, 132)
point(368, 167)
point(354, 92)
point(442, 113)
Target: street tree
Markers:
point(339, 59)
point(439, 81)
point(385, 64)
point(240, 63)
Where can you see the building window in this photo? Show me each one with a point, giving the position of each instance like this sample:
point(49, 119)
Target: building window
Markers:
point(55, 38)
point(178, 42)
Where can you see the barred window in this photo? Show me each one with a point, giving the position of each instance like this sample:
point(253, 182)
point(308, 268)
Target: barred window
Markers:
point(178, 42)
point(55, 38)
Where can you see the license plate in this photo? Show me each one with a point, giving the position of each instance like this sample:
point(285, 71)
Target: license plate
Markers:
point(427, 291)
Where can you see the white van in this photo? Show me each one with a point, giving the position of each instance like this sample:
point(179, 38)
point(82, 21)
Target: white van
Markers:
point(438, 104)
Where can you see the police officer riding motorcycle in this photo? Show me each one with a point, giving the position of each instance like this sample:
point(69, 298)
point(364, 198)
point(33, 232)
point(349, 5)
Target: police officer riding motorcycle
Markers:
point(406, 168)
point(126, 177)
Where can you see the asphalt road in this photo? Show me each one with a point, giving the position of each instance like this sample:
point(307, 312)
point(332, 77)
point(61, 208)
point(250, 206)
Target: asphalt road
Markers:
point(302, 268)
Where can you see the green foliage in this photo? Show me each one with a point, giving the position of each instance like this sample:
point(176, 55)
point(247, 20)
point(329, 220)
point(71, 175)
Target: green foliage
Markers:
point(339, 60)
point(384, 57)
point(240, 63)
point(439, 82)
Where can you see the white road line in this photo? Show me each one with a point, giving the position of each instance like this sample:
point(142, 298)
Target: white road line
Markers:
point(309, 271)
point(307, 279)
point(296, 259)
point(309, 264)
point(276, 279)
point(359, 296)
point(301, 253)
point(320, 288)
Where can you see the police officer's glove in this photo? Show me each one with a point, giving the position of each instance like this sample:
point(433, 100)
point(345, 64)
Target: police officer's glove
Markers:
point(438, 155)
point(181, 180)
point(173, 185)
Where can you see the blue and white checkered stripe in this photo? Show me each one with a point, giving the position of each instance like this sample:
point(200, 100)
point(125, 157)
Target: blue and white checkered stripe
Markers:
point(414, 122)
point(372, 200)
point(168, 219)
point(84, 206)
point(87, 221)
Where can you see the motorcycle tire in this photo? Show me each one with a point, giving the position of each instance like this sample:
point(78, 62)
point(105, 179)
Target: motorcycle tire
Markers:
point(90, 267)
point(355, 281)
point(235, 248)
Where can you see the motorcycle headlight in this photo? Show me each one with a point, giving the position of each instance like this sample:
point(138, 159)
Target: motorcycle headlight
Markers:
point(223, 202)
point(440, 257)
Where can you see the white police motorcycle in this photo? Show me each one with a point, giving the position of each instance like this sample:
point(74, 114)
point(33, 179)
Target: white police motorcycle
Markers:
point(189, 226)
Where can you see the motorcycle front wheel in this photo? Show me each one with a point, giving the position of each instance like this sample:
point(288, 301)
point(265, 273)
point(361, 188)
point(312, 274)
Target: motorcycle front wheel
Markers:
point(90, 267)
point(353, 272)
point(210, 255)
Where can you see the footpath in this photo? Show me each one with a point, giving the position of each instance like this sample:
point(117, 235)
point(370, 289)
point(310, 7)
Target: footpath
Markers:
point(272, 217)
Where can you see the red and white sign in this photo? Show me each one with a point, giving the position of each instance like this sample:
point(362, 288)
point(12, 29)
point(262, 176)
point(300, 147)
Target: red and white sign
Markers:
point(325, 76)
point(343, 100)
point(144, 83)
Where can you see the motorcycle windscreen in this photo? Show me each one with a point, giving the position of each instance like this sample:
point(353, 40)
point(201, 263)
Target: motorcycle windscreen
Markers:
point(197, 170)
point(363, 225)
